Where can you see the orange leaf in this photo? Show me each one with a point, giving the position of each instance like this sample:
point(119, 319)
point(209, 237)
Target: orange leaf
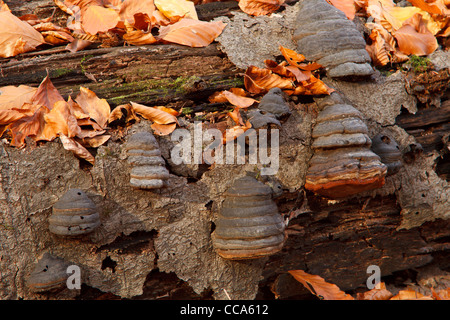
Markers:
point(234, 132)
point(236, 116)
point(378, 293)
point(169, 110)
point(62, 120)
point(346, 6)
point(27, 126)
point(193, 33)
point(292, 57)
point(123, 113)
point(15, 97)
point(99, 19)
point(9, 116)
point(319, 287)
point(131, 7)
point(233, 98)
point(139, 37)
point(71, 145)
point(260, 7)
point(410, 294)
point(17, 36)
point(94, 142)
point(154, 114)
point(98, 109)
point(430, 6)
point(163, 129)
point(259, 80)
point(414, 38)
point(46, 94)
point(177, 8)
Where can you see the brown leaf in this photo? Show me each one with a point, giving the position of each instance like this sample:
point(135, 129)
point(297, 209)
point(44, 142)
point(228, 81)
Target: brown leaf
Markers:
point(432, 6)
point(99, 19)
point(154, 114)
point(57, 37)
point(9, 116)
point(28, 126)
point(319, 287)
point(71, 145)
point(236, 116)
point(232, 133)
point(260, 7)
point(17, 36)
point(169, 110)
point(94, 142)
point(378, 293)
point(98, 109)
point(292, 57)
point(191, 32)
point(124, 113)
point(414, 38)
point(131, 7)
point(163, 129)
point(233, 98)
point(139, 37)
point(15, 97)
point(177, 8)
point(62, 120)
point(410, 294)
point(346, 6)
point(46, 94)
point(257, 80)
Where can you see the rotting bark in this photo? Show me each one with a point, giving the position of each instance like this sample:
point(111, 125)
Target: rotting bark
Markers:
point(157, 245)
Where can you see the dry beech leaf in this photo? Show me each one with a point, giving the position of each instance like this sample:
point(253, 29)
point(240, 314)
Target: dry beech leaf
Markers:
point(258, 80)
point(46, 94)
point(83, 4)
point(123, 112)
point(443, 294)
point(260, 7)
point(3, 6)
point(94, 142)
point(410, 294)
point(57, 37)
point(414, 38)
point(62, 120)
point(99, 19)
point(233, 98)
point(17, 36)
point(319, 287)
point(163, 129)
point(139, 37)
point(378, 293)
point(346, 6)
point(131, 7)
point(9, 116)
point(232, 133)
point(177, 8)
point(236, 116)
point(169, 110)
point(15, 97)
point(434, 7)
point(292, 57)
point(78, 45)
point(30, 125)
point(190, 32)
point(98, 109)
point(71, 145)
point(154, 114)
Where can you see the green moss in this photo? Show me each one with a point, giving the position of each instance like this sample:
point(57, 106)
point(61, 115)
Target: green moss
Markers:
point(57, 73)
point(419, 64)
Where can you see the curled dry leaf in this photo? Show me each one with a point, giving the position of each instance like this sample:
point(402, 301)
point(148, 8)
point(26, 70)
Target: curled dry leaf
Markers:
point(62, 120)
point(94, 142)
point(57, 37)
point(410, 294)
point(233, 98)
point(98, 109)
point(232, 133)
point(139, 37)
point(81, 152)
point(9, 116)
point(378, 293)
point(131, 7)
point(414, 37)
point(292, 57)
point(99, 19)
point(258, 80)
point(30, 125)
point(319, 287)
point(163, 129)
point(193, 33)
point(260, 7)
point(123, 113)
point(46, 94)
point(15, 97)
point(177, 8)
point(432, 6)
point(163, 122)
point(17, 36)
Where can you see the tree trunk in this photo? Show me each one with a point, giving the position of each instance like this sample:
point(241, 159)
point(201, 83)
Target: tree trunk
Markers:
point(157, 244)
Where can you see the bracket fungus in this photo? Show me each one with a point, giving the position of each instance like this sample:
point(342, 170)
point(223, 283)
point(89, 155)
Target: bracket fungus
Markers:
point(274, 103)
point(148, 169)
point(248, 225)
point(325, 35)
point(74, 214)
point(49, 274)
point(388, 151)
point(343, 163)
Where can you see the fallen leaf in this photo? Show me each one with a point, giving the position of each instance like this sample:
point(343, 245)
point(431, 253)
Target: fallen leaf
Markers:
point(236, 116)
point(3, 6)
point(154, 114)
point(258, 80)
point(78, 45)
point(123, 113)
point(169, 110)
point(163, 129)
point(378, 293)
point(81, 152)
point(131, 7)
point(99, 19)
point(61, 120)
point(410, 294)
point(46, 94)
point(94, 142)
point(177, 8)
point(232, 133)
point(9, 116)
point(292, 57)
point(57, 37)
point(193, 33)
point(15, 97)
point(17, 36)
point(30, 125)
point(443, 294)
point(319, 287)
point(139, 37)
point(260, 7)
point(346, 6)
point(233, 98)
point(98, 109)
point(434, 7)
point(414, 38)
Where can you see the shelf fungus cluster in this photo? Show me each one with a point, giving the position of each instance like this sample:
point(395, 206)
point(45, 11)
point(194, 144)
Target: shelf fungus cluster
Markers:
point(343, 163)
point(148, 169)
point(248, 225)
point(74, 214)
point(49, 274)
point(325, 35)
